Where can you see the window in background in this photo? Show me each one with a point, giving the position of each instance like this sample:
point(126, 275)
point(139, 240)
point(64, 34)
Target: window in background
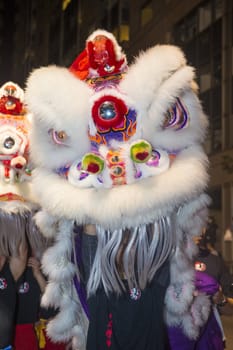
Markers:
point(218, 9)
point(217, 69)
point(54, 40)
point(70, 27)
point(200, 36)
point(204, 17)
point(206, 101)
point(203, 44)
point(217, 35)
point(146, 13)
point(204, 78)
point(216, 198)
point(191, 52)
point(124, 33)
point(232, 46)
point(119, 21)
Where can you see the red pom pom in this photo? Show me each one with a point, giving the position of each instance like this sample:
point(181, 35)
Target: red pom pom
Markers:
point(118, 110)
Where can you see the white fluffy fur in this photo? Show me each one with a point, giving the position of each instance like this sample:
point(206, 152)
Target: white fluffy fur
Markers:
point(78, 340)
point(56, 262)
point(152, 83)
point(52, 295)
point(60, 101)
point(23, 189)
point(60, 291)
point(70, 319)
point(65, 109)
point(46, 223)
point(150, 70)
point(195, 213)
point(192, 320)
point(194, 131)
point(143, 200)
point(52, 263)
point(183, 308)
point(17, 206)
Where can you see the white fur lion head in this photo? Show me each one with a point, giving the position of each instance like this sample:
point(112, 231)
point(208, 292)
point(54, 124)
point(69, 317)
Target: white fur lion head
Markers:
point(117, 145)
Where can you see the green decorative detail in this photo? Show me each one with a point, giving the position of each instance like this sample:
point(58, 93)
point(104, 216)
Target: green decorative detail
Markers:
point(28, 171)
point(140, 152)
point(92, 163)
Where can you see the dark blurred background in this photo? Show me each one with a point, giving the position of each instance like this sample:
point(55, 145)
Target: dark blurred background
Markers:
point(36, 33)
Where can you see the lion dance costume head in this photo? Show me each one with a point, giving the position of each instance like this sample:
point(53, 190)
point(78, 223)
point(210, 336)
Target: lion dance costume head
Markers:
point(120, 147)
point(17, 203)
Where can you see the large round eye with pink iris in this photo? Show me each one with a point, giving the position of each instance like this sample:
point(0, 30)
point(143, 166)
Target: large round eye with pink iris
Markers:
point(109, 112)
point(58, 137)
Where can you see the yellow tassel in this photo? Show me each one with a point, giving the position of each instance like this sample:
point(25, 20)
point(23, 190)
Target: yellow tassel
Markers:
point(39, 328)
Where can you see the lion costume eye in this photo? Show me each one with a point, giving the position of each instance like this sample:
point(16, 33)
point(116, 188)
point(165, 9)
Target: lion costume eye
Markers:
point(176, 117)
point(58, 137)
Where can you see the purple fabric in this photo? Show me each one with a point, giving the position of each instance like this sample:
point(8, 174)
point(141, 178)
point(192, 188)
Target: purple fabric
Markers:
point(178, 340)
point(210, 337)
point(82, 296)
point(206, 283)
point(78, 286)
point(124, 132)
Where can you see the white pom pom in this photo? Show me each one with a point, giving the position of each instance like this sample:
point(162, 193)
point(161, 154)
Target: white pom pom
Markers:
point(46, 223)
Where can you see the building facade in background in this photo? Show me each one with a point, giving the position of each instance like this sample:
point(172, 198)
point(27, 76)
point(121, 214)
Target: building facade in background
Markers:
point(55, 32)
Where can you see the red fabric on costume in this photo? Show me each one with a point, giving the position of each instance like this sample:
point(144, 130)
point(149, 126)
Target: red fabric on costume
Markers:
point(80, 67)
point(25, 337)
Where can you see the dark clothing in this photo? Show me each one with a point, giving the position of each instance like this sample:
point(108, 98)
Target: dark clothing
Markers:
point(27, 311)
point(89, 245)
point(28, 302)
point(133, 320)
point(122, 323)
point(7, 305)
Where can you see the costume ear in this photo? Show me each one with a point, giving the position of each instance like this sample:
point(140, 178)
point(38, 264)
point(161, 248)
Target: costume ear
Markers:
point(58, 101)
point(153, 69)
point(55, 91)
point(162, 89)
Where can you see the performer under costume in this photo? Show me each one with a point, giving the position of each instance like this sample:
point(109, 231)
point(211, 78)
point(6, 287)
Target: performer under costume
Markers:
point(7, 305)
point(16, 200)
point(119, 147)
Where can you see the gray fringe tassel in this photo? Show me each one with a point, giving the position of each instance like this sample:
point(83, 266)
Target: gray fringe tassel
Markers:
point(133, 254)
